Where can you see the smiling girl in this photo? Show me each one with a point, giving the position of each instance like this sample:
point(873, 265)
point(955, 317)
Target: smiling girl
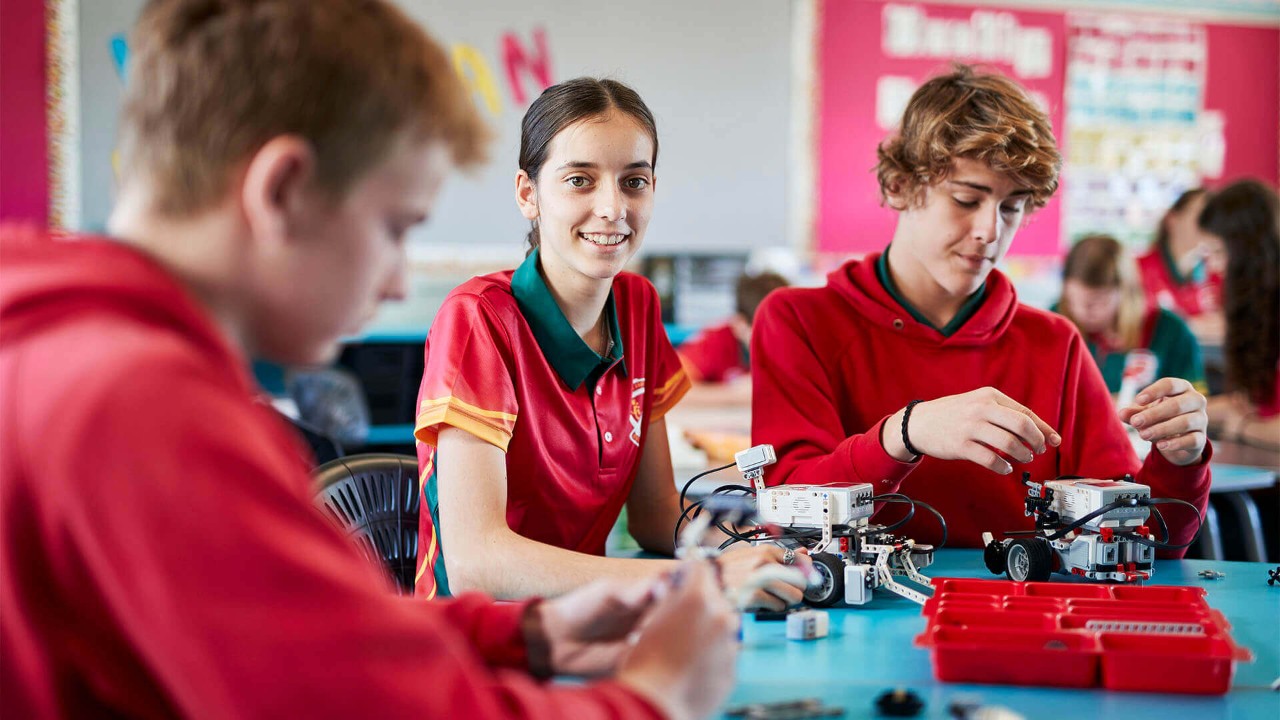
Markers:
point(540, 414)
point(917, 370)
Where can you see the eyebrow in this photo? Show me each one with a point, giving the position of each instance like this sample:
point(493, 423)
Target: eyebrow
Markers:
point(591, 166)
point(985, 189)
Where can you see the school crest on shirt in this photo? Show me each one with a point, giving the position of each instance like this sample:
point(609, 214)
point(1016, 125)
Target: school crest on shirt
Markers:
point(637, 409)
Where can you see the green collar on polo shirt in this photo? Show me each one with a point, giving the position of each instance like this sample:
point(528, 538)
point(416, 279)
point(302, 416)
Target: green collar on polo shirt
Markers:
point(570, 356)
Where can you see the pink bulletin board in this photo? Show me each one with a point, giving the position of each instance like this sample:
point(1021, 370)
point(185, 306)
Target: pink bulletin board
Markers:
point(24, 187)
point(871, 56)
point(872, 53)
point(1244, 86)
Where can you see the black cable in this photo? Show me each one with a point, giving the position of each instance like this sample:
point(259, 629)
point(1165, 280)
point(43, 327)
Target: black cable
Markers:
point(684, 492)
point(1084, 520)
point(1166, 545)
point(941, 522)
point(1132, 502)
point(896, 498)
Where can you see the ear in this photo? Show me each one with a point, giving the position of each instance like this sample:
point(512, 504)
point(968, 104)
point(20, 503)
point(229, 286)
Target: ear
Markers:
point(277, 192)
point(526, 195)
point(894, 197)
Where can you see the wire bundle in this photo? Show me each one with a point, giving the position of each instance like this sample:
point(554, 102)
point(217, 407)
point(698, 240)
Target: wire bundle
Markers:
point(689, 511)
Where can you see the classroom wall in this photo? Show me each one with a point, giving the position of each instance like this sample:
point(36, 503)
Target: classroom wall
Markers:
point(715, 74)
point(729, 84)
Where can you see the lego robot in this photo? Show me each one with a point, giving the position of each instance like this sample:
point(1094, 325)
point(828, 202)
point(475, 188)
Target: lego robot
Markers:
point(1095, 529)
point(851, 556)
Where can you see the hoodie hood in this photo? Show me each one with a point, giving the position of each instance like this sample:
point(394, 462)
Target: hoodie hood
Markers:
point(50, 278)
point(856, 281)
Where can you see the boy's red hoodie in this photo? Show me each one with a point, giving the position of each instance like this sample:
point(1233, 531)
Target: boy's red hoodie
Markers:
point(830, 364)
point(162, 556)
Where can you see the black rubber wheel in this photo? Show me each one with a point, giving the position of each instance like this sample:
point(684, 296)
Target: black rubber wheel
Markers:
point(830, 590)
point(1028, 560)
point(993, 557)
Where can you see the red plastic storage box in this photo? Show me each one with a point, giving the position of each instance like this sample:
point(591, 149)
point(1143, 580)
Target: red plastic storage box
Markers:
point(1119, 637)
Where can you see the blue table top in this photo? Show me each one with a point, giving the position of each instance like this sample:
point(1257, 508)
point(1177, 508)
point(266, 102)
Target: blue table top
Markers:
point(1234, 478)
point(871, 649)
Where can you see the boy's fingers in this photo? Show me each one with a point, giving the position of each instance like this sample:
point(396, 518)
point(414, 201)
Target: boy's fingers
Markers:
point(1050, 435)
point(1174, 427)
point(1165, 408)
point(1189, 441)
point(1001, 440)
point(1164, 387)
point(980, 454)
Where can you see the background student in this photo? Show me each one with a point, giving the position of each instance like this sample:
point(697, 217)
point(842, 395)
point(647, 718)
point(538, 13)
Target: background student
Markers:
point(722, 353)
point(1183, 270)
point(1244, 216)
point(917, 370)
point(162, 554)
point(1102, 296)
point(540, 413)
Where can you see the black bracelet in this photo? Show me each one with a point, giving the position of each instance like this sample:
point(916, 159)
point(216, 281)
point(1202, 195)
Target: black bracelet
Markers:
point(906, 441)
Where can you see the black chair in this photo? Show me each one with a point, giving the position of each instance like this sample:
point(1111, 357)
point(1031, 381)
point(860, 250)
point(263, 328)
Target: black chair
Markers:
point(375, 498)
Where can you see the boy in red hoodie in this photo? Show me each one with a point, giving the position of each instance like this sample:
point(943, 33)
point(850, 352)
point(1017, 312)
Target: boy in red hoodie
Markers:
point(917, 370)
point(162, 555)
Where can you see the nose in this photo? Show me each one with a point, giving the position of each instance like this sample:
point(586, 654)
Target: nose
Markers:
point(611, 203)
point(986, 224)
point(397, 285)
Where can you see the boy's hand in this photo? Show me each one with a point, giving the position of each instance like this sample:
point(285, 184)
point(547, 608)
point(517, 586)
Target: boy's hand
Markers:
point(587, 630)
point(684, 660)
point(972, 426)
point(1171, 414)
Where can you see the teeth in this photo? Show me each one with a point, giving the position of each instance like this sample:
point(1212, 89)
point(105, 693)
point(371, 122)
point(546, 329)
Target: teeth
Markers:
point(602, 238)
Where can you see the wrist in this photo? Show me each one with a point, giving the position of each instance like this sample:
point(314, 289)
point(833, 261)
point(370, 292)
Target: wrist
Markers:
point(652, 692)
point(891, 439)
point(537, 642)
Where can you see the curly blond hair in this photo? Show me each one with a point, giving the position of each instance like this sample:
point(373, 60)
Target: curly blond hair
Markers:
point(971, 114)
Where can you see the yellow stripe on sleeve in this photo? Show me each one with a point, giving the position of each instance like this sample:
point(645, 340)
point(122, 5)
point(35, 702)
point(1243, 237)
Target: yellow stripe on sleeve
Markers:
point(666, 397)
point(491, 426)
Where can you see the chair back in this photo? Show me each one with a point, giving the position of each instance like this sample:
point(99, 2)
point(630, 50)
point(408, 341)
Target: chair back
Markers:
point(374, 498)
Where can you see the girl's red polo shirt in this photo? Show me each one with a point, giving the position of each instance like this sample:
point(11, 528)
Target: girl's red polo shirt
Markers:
point(503, 363)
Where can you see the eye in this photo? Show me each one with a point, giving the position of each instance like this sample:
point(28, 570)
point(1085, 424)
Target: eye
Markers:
point(970, 204)
point(1013, 209)
point(637, 183)
point(578, 181)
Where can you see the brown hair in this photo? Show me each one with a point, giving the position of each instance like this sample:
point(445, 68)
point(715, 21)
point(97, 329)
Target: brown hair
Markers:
point(566, 103)
point(1100, 261)
point(1185, 199)
point(1246, 215)
point(751, 290)
point(965, 113)
point(211, 81)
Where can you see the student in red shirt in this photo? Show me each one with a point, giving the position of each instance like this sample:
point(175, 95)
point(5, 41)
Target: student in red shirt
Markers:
point(917, 370)
point(540, 413)
point(162, 553)
point(1245, 216)
point(722, 353)
point(1101, 295)
point(1183, 270)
